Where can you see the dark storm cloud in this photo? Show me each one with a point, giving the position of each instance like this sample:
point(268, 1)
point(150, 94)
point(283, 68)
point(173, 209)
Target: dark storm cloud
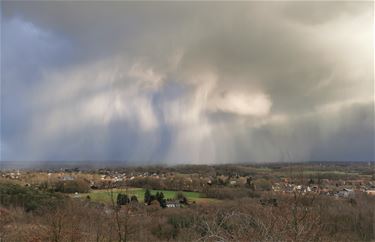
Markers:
point(187, 82)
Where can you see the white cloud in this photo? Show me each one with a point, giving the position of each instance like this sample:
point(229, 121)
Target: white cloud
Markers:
point(239, 103)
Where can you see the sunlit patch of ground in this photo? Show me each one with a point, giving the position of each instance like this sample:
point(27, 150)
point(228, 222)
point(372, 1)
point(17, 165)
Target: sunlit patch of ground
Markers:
point(106, 196)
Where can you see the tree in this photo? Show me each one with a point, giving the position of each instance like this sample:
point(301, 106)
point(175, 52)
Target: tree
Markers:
point(152, 198)
point(161, 199)
point(181, 198)
point(250, 184)
point(122, 199)
point(147, 198)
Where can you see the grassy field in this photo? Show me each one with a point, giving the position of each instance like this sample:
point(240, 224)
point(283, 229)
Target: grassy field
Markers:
point(105, 196)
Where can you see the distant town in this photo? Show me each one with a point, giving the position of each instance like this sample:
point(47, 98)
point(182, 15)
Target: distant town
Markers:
point(330, 179)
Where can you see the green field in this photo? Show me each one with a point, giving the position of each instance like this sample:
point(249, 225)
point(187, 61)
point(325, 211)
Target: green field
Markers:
point(105, 196)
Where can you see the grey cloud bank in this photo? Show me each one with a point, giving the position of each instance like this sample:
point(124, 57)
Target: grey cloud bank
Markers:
point(187, 82)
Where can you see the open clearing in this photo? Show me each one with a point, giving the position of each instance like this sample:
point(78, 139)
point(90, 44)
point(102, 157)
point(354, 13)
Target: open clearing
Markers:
point(105, 196)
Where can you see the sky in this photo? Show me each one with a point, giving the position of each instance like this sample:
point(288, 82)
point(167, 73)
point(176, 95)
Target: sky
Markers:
point(187, 82)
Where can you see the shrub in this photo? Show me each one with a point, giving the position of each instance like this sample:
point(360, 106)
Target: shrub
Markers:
point(263, 185)
point(72, 186)
point(134, 199)
point(182, 198)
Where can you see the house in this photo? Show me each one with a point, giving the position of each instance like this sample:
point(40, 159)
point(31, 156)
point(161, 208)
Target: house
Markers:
point(276, 187)
point(93, 185)
point(117, 179)
point(297, 188)
point(68, 178)
point(173, 204)
point(315, 189)
point(345, 193)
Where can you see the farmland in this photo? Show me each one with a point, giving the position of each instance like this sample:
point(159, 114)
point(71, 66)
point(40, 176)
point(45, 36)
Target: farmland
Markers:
point(106, 195)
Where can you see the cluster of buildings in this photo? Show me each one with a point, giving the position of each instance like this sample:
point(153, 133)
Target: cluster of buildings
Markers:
point(14, 175)
point(343, 190)
point(116, 176)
